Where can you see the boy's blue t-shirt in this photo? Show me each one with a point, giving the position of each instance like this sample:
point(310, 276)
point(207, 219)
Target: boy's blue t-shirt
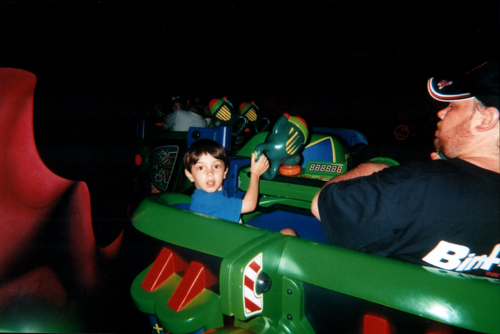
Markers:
point(216, 204)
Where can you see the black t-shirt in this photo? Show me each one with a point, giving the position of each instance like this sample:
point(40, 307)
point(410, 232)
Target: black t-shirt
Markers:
point(438, 213)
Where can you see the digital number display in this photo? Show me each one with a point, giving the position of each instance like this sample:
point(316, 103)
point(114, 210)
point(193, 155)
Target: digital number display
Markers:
point(325, 168)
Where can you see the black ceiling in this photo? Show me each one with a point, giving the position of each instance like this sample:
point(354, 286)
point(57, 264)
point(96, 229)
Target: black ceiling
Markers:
point(360, 47)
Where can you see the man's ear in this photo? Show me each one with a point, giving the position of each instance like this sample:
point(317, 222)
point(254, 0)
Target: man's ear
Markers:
point(189, 175)
point(488, 119)
point(225, 172)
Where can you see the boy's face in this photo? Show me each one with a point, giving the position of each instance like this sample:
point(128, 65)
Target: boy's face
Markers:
point(208, 173)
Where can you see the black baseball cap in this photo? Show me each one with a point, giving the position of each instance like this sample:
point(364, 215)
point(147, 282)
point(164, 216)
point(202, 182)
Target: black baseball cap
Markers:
point(480, 82)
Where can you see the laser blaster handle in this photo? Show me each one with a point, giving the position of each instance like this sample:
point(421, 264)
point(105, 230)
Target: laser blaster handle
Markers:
point(274, 164)
point(267, 123)
point(242, 126)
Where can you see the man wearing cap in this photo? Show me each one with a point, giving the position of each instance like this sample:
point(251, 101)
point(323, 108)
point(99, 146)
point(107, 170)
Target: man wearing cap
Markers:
point(444, 212)
point(182, 120)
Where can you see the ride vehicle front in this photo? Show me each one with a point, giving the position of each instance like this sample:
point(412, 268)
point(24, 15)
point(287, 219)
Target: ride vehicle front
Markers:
point(212, 275)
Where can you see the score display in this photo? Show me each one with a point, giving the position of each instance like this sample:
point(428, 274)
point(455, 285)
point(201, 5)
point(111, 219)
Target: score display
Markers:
point(326, 169)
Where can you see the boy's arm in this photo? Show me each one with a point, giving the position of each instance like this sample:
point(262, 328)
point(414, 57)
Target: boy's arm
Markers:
point(256, 170)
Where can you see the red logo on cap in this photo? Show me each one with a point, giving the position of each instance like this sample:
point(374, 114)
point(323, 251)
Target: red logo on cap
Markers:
point(444, 83)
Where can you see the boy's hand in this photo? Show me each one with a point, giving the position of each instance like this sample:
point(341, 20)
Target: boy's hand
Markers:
point(260, 166)
point(257, 168)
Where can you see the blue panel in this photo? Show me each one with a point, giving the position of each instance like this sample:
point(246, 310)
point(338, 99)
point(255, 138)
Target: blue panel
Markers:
point(220, 134)
point(320, 151)
point(351, 137)
point(231, 181)
point(184, 206)
point(306, 227)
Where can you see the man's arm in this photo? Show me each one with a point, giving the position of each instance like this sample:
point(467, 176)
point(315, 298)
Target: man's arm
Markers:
point(365, 169)
point(257, 168)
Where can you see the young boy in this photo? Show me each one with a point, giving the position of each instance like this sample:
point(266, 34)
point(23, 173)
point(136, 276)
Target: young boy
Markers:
point(206, 165)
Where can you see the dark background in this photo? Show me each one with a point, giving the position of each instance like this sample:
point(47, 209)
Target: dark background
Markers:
point(103, 65)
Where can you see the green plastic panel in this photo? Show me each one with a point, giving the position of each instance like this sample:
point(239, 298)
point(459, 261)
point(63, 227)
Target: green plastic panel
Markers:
point(203, 312)
point(279, 189)
point(156, 218)
point(456, 299)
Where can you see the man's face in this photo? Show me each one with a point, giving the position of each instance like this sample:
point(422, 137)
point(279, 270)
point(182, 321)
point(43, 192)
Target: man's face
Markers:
point(453, 130)
point(176, 106)
point(208, 173)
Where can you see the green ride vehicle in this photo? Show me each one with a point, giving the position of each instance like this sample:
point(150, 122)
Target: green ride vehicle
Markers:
point(215, 276)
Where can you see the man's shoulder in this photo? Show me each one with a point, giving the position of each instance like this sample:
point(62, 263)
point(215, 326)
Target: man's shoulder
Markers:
point(452, 166)
point(429, 167)
point(195, 115)
point(440, 171)
point(414, 174)
point(181, 112)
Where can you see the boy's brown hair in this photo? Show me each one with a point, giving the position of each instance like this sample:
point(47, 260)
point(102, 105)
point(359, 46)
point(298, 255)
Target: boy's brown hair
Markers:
point(204, 146)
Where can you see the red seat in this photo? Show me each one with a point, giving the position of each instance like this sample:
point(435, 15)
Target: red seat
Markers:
point(47, 244)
